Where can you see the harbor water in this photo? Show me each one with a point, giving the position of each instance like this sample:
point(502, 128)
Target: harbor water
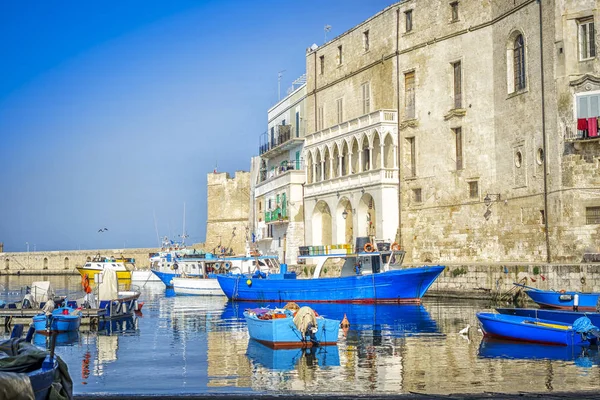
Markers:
point(194, 345)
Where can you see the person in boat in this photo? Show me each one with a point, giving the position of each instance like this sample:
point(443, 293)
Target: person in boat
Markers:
point(358, 267)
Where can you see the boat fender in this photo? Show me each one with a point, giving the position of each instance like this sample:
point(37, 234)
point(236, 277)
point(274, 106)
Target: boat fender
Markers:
point(227, 266)
point(217, 266)
point(368, 247)
point(249, 282)
point(395, 246)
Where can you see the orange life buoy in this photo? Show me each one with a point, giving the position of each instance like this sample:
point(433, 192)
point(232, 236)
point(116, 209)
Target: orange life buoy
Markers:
point(562, 291)
point(395, 246)
point(368, 247)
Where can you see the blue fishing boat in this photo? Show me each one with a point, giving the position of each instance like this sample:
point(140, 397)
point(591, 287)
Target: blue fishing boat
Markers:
point(563, 300)
point(281, 328)
point(289, 359)
point(63, 319)
point(41, 369)
point(534, 330)
point(565, 316)
point(496, 348)
point(370, 277)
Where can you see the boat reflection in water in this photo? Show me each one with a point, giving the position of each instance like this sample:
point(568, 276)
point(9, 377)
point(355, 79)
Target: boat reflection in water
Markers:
point(127, 325)
point(395, 320)
point(62, 339)
point(289, 359)
point(582, 356)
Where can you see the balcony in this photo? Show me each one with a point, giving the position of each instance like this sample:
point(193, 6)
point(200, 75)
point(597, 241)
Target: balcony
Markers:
point(362, 122)
point(281, 139)
point(278, 215)
point(582, 130)
point(383, 176)
point(288, 173)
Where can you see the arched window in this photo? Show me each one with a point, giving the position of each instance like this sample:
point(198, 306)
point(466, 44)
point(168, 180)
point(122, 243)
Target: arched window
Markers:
point(519, 62)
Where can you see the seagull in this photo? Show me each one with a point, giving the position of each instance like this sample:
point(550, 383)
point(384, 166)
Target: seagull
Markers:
point(465, 331)
point(102, 230)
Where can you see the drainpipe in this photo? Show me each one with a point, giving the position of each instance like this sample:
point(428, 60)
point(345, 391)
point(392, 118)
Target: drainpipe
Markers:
point(544, 145)
point(399, 147)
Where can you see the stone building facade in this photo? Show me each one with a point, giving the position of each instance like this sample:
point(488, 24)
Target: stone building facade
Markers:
point(228, 202)
point(458, 122)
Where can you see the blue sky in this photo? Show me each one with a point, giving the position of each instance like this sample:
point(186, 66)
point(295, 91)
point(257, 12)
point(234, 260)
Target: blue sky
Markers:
point(113, 112)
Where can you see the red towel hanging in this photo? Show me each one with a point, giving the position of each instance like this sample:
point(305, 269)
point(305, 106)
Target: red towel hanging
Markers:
point(582, 124)
point(592, 127)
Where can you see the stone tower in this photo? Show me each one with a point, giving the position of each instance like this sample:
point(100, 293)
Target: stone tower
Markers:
point(227, 223)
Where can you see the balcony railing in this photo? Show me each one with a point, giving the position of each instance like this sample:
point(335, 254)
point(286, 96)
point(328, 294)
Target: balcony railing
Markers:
point(362, 122)
point(279, 214)
point(284, 167)
point(583, 129)
point(281, 134)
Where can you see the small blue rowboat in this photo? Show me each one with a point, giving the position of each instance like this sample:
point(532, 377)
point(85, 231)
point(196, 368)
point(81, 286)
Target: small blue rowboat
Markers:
point(280, 328)
point(534, 330)
point(564, 300)
point(568, 317)
point(63, 319)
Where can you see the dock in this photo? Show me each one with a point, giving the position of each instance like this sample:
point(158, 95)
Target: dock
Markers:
point(89, 316)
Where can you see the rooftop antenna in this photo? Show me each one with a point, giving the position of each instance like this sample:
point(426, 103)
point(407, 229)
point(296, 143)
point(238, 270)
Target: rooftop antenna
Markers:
point(326, 29)
point(279, 75)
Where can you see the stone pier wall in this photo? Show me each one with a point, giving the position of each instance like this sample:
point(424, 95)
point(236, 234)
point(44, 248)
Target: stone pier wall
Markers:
point(65, 261)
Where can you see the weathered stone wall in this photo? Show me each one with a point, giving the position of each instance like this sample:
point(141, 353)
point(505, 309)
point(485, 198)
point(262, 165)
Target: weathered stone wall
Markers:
point(65, 261)
point(228, 214)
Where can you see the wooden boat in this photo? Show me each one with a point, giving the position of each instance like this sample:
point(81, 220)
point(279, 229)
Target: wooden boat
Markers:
point(369, 277)
point(563, 300)
point(534, 330)
point(63, 319)
point(281, 328)
point(118, 304)
point(565, 316)
point(123, 267)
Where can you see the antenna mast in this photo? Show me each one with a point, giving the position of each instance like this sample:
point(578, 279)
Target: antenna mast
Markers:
point(279, 75)
point(327, 28)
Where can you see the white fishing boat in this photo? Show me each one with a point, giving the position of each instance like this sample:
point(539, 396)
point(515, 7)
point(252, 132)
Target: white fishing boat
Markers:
point(204, 283)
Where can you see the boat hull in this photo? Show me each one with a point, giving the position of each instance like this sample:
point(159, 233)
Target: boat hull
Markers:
point(122, 307)
point(282, 333)
point(197, 287)
point(564, 301)
point(121, 274)
point(565, 316)
point(143, 276)
point(167, 277)
point(526, 329)
point(396, 286)
point(60, 323)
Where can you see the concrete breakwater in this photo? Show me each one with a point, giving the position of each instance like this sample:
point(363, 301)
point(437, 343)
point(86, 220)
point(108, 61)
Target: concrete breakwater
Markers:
point(458, 280)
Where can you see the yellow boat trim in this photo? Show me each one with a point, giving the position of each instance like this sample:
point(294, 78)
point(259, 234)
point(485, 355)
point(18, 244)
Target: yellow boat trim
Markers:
point(555, 326)
point(123, 275)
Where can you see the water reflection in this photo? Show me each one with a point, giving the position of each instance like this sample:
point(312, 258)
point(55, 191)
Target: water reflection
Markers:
point(580, 355)
point(62, 339)
point(289, 359)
